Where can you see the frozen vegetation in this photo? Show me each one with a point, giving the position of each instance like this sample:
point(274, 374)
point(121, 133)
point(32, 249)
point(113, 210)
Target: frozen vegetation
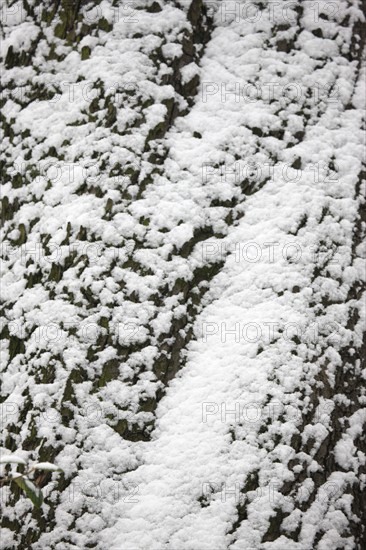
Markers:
point(182, 275)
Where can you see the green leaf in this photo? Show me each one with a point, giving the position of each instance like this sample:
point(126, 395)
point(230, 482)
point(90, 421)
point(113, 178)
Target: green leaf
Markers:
point(33, 493)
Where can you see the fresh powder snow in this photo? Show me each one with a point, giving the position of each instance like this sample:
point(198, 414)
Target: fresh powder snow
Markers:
point(183, 270)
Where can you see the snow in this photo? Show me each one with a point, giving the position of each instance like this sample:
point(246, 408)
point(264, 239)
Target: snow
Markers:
point(269, 335)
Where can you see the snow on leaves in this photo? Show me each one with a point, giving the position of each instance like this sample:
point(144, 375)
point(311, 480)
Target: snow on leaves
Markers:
point(180, 178)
